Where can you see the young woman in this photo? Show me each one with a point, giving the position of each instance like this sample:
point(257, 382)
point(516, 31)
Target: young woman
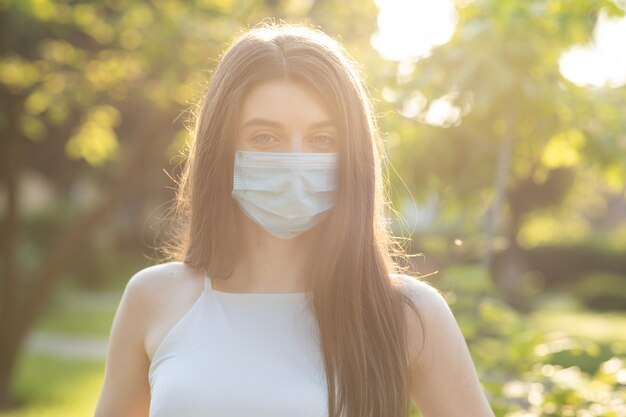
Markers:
point(282, 298)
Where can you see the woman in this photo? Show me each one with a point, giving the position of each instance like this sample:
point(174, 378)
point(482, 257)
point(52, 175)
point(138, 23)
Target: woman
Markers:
point(282, 298)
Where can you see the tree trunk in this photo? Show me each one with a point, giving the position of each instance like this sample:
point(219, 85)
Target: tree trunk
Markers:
point(504, 162)
point(511, 274)
point(9, 301)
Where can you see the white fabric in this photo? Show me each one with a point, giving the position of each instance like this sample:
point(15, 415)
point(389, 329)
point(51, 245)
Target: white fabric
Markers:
point(240, 355)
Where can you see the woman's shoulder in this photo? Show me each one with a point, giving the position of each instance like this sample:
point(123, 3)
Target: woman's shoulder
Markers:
point(421, 292)
point(160, 278)
point(439, 354)
point(430, 301)
point(433, 324)
point(160, 294)
point(155, 286)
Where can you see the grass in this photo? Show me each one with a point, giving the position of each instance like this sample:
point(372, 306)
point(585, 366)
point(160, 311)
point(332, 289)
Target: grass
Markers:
point(599, 327)
point(599, 334)
point(80, 313)
point(54, 387)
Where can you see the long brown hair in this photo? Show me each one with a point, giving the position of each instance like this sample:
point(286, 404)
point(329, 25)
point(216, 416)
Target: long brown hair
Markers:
point(359, 310)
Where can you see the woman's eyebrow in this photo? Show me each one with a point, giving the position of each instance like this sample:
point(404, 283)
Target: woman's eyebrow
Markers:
point(323, 123)
point(260, 121)
point(267, 122)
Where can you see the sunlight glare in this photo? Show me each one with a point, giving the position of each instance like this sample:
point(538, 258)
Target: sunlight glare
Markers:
point(442, 112)
point(410, 29)
point(603, 62)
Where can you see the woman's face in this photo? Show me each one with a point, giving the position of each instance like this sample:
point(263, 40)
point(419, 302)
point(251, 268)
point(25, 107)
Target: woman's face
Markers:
point(285, 116)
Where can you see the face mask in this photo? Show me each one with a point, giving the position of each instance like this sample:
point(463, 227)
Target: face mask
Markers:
point(286, 193)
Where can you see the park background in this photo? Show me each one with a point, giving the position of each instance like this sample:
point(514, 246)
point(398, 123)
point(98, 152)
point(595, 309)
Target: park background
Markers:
point(504, 124)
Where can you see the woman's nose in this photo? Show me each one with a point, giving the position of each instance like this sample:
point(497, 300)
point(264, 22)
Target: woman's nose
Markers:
point(296, 144)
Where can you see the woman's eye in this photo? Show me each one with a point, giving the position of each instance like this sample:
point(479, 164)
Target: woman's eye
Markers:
point(263, 139)
point(323, 140)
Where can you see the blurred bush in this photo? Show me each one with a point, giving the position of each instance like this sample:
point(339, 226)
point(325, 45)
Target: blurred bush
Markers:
point(600, 290)
point(514, 359)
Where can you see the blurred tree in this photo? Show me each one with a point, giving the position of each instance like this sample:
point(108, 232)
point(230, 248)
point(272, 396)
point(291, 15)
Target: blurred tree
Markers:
point(96, 89)
point(520, 131)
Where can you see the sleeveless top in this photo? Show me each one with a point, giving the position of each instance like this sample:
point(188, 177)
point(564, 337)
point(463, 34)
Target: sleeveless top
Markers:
point(240, 355)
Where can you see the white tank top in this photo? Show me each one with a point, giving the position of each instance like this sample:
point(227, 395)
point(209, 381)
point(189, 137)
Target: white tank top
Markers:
point(240, 355)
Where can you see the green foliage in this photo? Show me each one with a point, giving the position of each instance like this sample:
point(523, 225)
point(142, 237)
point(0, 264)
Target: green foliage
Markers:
point(515, 359)
point(89, 66)
point(554, 391)
point(501, 70)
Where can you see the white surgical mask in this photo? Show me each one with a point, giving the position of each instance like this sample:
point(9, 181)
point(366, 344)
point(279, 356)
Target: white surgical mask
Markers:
point(286, 193)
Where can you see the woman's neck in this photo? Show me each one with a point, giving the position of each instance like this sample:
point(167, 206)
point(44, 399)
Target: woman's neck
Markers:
point(267, 263)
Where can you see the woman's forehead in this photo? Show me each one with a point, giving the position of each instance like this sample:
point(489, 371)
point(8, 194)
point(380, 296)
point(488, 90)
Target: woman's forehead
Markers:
point(283, 101)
